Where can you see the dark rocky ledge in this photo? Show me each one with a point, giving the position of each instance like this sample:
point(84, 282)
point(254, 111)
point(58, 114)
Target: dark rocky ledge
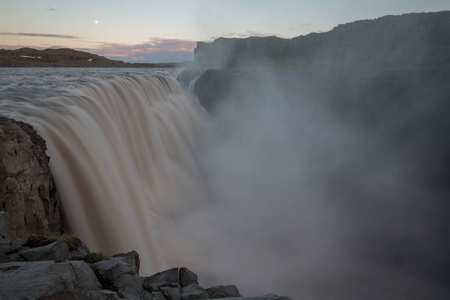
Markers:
point(61, 267)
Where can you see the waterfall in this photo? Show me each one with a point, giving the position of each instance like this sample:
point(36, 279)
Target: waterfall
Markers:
point(122, 152)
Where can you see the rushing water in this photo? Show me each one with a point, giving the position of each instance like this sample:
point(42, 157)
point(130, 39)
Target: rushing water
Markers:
point(122, 146)
point(270, 194)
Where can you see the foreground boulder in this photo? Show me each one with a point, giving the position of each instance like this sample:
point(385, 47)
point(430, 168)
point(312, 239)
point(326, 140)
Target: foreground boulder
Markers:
point(27, 189)
point(221, 291)
point(33, 280)
point(43, 268)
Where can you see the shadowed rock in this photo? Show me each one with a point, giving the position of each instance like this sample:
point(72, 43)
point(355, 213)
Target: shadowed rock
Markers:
point(7, 246)
point(131, 258)
point(187, 277)
point(4, 225)
point(46, 279)
point(168, 278)
point(193, 291)
point(57, 251)
point(221, 291)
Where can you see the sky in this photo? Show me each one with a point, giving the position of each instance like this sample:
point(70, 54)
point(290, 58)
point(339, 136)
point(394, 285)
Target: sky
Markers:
point(168, 30)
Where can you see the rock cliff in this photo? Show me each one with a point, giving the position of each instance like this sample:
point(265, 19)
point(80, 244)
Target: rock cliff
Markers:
point(419, 38)
point(27, 190)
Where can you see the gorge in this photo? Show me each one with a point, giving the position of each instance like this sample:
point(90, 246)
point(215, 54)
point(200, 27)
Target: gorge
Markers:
point(319, 172)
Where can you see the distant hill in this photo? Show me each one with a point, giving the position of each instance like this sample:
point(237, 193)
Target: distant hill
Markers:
point(28, 57)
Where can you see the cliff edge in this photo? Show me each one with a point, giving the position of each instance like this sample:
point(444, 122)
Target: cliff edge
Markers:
point(27, 189)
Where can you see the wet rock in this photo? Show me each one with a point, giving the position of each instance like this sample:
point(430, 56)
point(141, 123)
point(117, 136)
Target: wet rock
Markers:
point(130, 286)
point(47, 280)
point(57, 251)
point(168, 278)
point(193, 291)
point(131, 258)
point(187, 277)
point(221, 291)
point(110, 270)
point(171, 293)
point(27, 189)
point(43, 277)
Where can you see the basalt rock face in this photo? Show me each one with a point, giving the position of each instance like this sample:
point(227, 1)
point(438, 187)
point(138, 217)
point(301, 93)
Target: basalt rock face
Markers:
point(391, 40)
point(27, 189)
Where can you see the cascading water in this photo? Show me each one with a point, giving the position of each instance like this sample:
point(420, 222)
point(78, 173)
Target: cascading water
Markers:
point(122, 153)
point(300, 203)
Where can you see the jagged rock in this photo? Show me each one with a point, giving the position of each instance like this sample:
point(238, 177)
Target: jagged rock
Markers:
point(131, 258)
point(193, 291)
point(7, 246)
point(79, 253)
point(187, 277)
point(130, 286)
point(48, 280)
point(110, 270)
point(4, 225)
point(110, 279)
point(221, 291)
point(57, 251)
point(27, 189)
point(168, 278)
point(171, 293)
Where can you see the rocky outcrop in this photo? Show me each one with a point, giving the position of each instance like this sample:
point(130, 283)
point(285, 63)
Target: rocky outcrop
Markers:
point(37, 270)
point(48, 280)
point(27, 189)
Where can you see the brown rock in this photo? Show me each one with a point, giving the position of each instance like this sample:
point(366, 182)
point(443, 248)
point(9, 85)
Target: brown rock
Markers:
point(27, 189)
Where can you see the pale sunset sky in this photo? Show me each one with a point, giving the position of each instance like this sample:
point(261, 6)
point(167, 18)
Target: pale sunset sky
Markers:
point(167, 30)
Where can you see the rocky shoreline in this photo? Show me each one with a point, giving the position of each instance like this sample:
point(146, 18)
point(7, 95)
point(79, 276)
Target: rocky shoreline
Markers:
point(61, 267)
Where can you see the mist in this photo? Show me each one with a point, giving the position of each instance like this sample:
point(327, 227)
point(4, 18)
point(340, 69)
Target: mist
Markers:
point(329, 183)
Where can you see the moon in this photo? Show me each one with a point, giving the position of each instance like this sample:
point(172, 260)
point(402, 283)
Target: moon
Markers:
point(96, 22)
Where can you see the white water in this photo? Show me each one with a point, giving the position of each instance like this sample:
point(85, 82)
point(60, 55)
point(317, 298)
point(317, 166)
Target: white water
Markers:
point(297, 203)
point(122, 151)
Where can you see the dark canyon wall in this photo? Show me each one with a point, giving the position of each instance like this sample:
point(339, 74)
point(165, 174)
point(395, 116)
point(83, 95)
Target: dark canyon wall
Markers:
point(419, 39)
